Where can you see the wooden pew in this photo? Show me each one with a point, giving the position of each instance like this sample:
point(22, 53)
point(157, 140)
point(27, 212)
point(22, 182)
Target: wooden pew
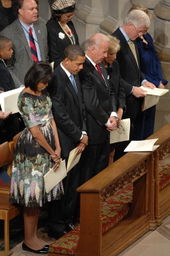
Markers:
point(162, 174)
point(136, 168)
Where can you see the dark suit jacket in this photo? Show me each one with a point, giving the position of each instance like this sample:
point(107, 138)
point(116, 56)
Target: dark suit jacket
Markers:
point(117, 86)
point(6, 81)
point(22, 54)
point(55, 43)
point(68, 110)
point(131, 73)
point(96, 94)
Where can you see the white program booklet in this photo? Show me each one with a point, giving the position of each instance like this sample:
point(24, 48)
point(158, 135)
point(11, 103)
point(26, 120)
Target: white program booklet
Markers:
point(152, 97)
point(155, 91)
point(73, 159)
point(150, 101)
point(122, 132)
point(54, 176)
point(141, 145)
point(9, 99)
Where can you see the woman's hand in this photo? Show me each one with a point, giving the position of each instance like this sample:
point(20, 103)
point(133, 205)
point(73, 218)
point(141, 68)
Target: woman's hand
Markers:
point(58, 151)
point(56, 159)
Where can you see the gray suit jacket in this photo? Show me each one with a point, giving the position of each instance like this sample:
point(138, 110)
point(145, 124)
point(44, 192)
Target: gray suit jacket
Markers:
point(22, 54)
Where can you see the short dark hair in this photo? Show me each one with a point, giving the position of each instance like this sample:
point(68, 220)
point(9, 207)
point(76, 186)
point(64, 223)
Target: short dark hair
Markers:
point(73, 51)
point(4, 40)
point(19, 4)
point(38, 72)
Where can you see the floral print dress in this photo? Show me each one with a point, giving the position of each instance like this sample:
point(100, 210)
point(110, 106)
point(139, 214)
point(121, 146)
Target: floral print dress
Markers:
point(32, 161)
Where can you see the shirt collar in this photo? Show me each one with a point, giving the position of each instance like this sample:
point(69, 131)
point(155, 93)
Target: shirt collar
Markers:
point(66, 71)
point(91, 61)
point(124, 34)
point(25, 26)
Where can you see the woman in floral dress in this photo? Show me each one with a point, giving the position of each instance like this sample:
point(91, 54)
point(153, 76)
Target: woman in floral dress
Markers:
point(37, 150)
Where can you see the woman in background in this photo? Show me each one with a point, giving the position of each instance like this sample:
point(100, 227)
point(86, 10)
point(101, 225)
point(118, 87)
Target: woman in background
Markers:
point(60, 29)
point(37, 150)
point(114, 78)
point(116, 87)
point(151, 67)
point(7, 12)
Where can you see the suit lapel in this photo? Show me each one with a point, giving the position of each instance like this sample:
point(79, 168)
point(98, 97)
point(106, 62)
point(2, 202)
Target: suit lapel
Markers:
point(20, 34)
point(96, 74)
point(125, 47)
point(71, 89)
point(38, 33)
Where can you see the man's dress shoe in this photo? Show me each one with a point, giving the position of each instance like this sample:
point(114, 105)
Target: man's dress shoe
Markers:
point(43, 250)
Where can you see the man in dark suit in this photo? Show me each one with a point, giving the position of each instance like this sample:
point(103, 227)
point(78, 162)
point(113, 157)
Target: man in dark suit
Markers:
point(100, 116)
point(69, 115)
point(136, 24)
point(18, 32)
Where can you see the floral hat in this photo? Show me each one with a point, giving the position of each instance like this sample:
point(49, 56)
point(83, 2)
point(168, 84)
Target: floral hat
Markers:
point(63, 6)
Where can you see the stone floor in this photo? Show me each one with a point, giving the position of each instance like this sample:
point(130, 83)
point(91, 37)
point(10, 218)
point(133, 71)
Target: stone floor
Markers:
point(153, 243)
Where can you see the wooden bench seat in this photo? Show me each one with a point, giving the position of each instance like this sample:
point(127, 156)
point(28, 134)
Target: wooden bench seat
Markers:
point(7, 213)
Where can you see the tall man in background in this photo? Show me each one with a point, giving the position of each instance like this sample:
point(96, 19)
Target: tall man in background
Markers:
point(135, 24)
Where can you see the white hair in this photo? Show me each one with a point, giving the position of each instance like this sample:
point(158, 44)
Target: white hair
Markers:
point(138, 18)
point(95, 40)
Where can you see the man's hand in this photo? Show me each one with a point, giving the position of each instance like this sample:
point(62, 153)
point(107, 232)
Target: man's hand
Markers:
point(161, 86)
point(82, 145)
point(112, 123)
point(84, 140)
point(149, 84)
point(138, 92)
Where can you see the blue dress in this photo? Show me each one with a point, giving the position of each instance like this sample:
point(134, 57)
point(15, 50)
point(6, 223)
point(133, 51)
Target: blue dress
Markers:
point(151, 67)
point(149, 61)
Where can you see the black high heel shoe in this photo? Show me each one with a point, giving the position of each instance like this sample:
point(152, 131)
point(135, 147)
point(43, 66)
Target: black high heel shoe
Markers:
point(40, 251)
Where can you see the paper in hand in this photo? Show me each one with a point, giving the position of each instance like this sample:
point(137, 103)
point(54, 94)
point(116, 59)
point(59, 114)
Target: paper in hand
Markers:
point(122, 132)
point(9, 99)
point(152, 97)
point(54, 176)
point(73, 159)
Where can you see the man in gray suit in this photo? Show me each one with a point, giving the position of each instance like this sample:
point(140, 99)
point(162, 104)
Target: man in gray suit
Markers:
point(19, 31)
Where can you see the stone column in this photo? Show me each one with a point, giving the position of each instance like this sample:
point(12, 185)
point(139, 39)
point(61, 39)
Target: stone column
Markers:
point(44, 10)
point(88, 17)
point(162, 43)
point(116, 12)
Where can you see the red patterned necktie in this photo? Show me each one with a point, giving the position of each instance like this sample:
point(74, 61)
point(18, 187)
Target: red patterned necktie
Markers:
point(32, 46)
point(98, 68)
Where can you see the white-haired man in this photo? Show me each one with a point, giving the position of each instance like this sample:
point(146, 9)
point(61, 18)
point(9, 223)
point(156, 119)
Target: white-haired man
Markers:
point(99, 107)
point(135, 24)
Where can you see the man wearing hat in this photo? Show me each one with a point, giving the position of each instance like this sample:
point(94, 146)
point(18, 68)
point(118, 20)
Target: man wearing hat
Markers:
point(61, 31)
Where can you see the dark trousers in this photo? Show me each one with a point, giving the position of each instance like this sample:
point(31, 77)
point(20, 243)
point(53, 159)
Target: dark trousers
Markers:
point(95, 158)
point(148, 122)
point(65, 211)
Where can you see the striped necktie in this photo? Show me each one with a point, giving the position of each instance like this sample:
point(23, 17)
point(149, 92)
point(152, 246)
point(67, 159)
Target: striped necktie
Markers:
point(73, 81)
point(32, 46)
point(99, 70)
